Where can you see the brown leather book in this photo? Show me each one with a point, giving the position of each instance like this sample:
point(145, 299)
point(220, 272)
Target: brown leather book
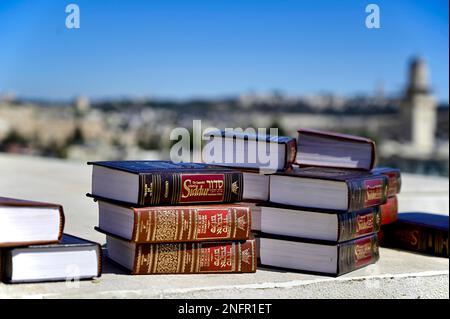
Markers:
point(167, 224)
point(184, 258)
point(29, 223)
point(335, 150)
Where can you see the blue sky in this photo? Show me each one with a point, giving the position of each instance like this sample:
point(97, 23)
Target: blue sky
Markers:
point(182, 49)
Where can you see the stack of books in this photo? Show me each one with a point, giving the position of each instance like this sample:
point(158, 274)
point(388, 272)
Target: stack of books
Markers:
point(165, 218)
point(33, 247)
point(321, 209)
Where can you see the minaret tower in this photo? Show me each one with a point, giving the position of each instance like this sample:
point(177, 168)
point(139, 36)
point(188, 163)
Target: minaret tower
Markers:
point(418, 109)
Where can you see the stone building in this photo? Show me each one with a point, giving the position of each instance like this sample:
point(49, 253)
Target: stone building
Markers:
point(418, 110)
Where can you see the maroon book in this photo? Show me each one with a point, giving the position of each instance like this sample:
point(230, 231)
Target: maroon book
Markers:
point(167, 224)
point(389, 211)
point(184, 258)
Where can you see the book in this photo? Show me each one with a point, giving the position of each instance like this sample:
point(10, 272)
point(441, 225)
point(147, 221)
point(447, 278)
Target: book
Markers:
point(24, 222)
point(71, 259)
point(420, 232)
point(166, 224)
point(148, 183)
point(183, 258)
point(256, 186)
point(329, 225)
point(394, 179)
point(320, 257)
point(328, 188)
point(389, 211)
point(250, 151)
point(328, 149)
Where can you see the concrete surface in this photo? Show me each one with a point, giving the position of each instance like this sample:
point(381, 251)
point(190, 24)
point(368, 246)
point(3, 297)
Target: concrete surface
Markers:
point(398, 274)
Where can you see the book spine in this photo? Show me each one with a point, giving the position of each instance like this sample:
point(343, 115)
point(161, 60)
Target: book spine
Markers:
point(357, 253)
point(62, 220)
point(358, 224)
point(369, 192)
point(181, 224)
point(291, 153)
point(416, 238)
point(394, 182)
point(182, 188)
point(190, 258)
point(389, 211)
point(99, 260)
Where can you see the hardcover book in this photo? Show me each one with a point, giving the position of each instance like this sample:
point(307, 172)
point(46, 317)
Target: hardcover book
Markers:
point(328, 149)
point(184, 258)
point(167, 224)
point(72, 259)
point(316, 224)
point(243, 150)
point(419, 232)
point(394, 179)
point(321, 257)
point(25, 222)
point(149, 183)
point(256, 186)
point(389, 211)
point(328, 188)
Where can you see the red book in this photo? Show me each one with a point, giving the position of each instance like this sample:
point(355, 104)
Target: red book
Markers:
point(168, 224)
point(389, 211)
point(184, 258)
point(329, 149)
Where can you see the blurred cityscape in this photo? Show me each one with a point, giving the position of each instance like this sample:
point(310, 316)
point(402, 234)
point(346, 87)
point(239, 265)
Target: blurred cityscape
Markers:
point(411, 128)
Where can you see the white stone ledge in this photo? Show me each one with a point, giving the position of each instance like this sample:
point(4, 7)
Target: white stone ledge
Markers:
point(398, 274)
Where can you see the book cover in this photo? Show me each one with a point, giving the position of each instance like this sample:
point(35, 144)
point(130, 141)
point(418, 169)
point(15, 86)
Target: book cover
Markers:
point(389, 211)
point(420, 232)
point(394, 179)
